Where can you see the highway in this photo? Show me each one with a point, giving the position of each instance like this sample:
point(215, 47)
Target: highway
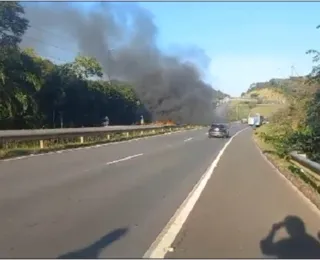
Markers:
point(106, 201)
point(240, 207)
point(132, 199)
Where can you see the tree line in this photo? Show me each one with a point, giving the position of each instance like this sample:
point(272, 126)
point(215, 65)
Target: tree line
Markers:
point(37, 93)
point(297, 127)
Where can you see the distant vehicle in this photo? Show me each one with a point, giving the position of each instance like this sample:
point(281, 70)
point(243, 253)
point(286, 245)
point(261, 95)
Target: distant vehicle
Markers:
point(251, 120)
point(255, 120)
point(219, 130)
point(258, 120)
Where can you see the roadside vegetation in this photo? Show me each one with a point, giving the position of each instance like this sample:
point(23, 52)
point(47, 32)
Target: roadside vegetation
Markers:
point(294, 127)
point(241, 109)
point(36, 93)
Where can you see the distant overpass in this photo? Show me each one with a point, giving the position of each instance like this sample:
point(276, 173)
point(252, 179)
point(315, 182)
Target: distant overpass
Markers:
point(263, 101)
point(243, 99)
point(228, 99)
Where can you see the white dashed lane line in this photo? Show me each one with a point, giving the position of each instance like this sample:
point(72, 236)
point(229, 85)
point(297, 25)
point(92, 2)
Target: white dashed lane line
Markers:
point(188, 139)
point(124, 159)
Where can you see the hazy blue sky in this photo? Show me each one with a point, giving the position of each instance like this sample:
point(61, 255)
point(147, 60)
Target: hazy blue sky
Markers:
point(247, 42)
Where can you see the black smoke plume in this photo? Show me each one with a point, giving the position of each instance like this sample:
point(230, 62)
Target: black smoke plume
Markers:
point(122, 36)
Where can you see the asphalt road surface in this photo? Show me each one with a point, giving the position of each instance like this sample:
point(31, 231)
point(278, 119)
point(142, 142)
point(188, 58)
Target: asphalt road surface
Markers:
point(234, 215)
point(113, 201)
point(107, 201)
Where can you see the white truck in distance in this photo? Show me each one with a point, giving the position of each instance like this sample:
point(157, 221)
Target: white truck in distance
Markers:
point(255, 120)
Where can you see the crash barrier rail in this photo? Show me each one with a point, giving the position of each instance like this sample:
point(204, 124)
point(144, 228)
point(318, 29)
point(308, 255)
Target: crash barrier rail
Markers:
point(304, 161)
point(122, 132)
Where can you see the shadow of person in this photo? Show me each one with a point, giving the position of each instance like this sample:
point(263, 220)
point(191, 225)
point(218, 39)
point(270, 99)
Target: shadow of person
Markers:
point(93, 250)
point(299, 244)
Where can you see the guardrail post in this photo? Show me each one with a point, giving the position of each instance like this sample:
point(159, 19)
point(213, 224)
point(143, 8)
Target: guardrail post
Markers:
point(41, 144)
point(7, 137)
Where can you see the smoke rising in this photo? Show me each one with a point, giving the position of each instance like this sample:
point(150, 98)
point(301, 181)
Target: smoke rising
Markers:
point(122, 36)
point(221, 113)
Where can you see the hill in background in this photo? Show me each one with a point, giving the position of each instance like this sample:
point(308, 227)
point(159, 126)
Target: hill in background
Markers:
point(276, 91)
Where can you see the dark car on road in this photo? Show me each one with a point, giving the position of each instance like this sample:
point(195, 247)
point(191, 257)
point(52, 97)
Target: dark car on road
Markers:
point(219, 130)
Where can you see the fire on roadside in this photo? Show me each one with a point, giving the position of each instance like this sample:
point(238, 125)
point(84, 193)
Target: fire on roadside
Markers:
point(160, 123)
point(163, 123)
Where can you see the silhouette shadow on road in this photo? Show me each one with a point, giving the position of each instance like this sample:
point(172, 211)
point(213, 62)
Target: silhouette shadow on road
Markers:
point(299, 244)
point(93, 250)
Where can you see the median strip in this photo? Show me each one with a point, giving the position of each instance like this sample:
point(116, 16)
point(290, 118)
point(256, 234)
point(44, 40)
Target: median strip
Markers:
point(21, 143)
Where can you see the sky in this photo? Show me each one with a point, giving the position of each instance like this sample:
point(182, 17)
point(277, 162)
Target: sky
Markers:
point(247, 42)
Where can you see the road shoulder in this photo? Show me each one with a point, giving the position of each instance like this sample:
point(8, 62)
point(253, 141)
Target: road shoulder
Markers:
point(298, 181)
point(238, 207)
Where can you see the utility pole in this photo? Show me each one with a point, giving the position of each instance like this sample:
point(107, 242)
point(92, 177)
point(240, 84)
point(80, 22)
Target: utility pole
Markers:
point(294, 71)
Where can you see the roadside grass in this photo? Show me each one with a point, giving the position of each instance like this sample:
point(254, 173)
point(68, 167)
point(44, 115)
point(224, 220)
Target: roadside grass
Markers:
point(15, 149)
point(268, 94)
point(304, 179)
point(239, 109)
point(266, 110)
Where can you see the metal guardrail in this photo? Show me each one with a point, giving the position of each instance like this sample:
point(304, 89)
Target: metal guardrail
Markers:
point(34, 134)
point(7, 136)
point(304, 161)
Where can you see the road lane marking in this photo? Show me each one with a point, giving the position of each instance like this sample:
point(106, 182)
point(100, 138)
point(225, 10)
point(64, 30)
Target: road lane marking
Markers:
point(124, 159)
point(188, 139)
point(163, 242)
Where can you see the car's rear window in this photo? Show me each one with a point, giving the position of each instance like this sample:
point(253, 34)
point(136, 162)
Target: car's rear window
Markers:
point(217, 126)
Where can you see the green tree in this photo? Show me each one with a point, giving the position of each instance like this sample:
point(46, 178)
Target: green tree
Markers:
point(13, 24)
point(85, 67)
point(254, 95)
point(35, 92)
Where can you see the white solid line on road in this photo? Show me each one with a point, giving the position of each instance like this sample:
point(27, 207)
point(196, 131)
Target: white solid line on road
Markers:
point(189, 139)
point(163, 242)
point(124, 159)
